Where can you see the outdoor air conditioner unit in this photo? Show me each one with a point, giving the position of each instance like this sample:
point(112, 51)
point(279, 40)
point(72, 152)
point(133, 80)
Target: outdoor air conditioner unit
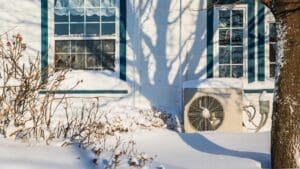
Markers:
point(213, 104)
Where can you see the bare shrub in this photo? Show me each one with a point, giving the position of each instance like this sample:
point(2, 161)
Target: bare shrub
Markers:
point(24, 112)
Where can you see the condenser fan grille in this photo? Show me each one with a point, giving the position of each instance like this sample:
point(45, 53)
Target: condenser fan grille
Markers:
point(206, 113)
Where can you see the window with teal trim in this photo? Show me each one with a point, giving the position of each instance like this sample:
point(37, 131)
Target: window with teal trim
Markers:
point(272, 48)
point(231, 39)
point(85, 34)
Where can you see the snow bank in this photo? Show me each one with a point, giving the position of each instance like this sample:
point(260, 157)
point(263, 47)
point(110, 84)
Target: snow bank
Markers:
point(134, 118)
point(209, 150)
point(267, 84)
point(16, 155)
point(173, 150)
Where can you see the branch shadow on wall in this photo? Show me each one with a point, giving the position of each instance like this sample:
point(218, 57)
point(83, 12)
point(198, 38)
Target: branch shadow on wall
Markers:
point(161, 59)
point(155, 66)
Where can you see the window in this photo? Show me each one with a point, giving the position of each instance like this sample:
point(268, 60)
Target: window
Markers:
point(230, 43)
point(272, 48)
point(85, 34)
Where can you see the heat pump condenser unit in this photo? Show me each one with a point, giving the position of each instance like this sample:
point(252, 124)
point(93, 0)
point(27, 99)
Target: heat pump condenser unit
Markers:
point(212, 107)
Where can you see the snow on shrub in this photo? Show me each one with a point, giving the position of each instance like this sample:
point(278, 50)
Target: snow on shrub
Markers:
point(26, 114)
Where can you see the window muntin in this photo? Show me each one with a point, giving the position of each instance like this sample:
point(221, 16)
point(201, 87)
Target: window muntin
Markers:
point(231, 30)
point(85, 54)
point(85, 34)
point(272, 48)
point(83, 17)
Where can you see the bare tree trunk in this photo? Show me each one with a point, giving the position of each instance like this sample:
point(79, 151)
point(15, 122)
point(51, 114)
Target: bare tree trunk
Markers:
point(286, 114)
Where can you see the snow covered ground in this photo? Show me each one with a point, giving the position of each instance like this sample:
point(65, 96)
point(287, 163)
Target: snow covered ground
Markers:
point(16, 155)
point(209, 150)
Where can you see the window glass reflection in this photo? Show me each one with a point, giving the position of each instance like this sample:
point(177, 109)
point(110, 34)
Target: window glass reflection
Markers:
point(237, 18)
point(224, 18)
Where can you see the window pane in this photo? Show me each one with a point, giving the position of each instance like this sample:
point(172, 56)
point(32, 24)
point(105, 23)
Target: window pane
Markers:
point(108, 3)
point(61, 15)
point(237, 55)
point(108, 29)
point(224, 55)
point(93, 15)
point(108, 15)
point(77, 15)
point(273, 34)
point(224, 20)
point(78, 61)
point(62, 61)
point(272, 53)
point(61, 3)
point(93, 60)
point(108, 62)
point(62, 46)
point(237, 18)
point(76, 3)
point(78, 46)
point(92, 3)
point(237, 37)
point(76, 29)
point(61, 29)
point(108, 46)
point(224, 71)
point(93, 46)
point(272, 70)
point(237, 71)
point(224, 36)
point(93, 29)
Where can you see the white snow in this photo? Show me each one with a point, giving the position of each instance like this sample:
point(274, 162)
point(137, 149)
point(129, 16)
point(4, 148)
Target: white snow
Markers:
point(209, 150)
point(214, 83)
point(229, 83)
point(92, 79)
point(17, 155)
point(266, 84)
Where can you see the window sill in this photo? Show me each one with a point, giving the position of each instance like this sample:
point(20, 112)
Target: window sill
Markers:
point(84, 92)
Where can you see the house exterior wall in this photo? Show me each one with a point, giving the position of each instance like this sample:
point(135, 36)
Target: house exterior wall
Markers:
point(166, 45)
point(22, 17)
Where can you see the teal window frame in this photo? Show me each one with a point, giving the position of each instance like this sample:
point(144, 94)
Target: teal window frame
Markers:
point(231, 46)
point(72, 55)
point(45, 44)
point(250, 38)
point(272, 42)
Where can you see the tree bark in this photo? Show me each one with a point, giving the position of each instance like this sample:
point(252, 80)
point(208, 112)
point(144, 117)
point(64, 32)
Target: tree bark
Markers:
point(285, 132)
